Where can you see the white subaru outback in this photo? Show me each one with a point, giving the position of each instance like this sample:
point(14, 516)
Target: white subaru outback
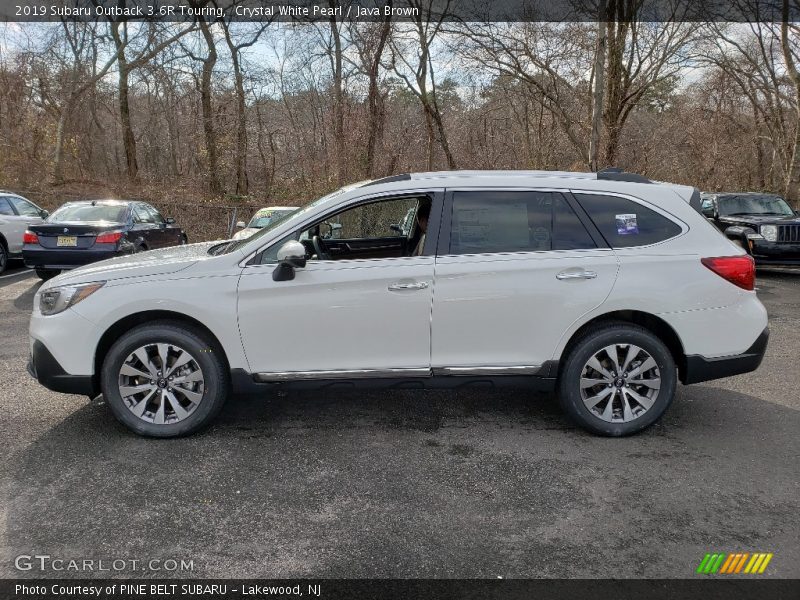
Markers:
point(606, 287)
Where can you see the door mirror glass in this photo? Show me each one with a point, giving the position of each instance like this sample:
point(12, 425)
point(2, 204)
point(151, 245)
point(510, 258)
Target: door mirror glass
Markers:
point(44, 213)
point(170, 221)
point(240, 224)
point(707, 208)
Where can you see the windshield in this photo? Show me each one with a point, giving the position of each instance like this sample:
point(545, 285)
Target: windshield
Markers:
point(753, 205)
point(234, 245)
point(113, 213)
point(262, 219)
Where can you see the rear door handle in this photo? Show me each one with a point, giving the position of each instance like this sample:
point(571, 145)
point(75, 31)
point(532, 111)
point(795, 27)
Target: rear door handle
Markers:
point(576, 275)
point(407, 285)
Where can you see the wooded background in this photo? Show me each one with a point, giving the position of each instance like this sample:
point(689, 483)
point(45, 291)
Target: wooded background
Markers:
point(250, 114)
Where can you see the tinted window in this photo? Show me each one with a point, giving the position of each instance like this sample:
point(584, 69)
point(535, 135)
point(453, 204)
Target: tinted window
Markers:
point(493, 221)
point(156, 216)
point(24, 208)
point(625, 223)
point(5, 207)
point(114, 213)
point(754, 205)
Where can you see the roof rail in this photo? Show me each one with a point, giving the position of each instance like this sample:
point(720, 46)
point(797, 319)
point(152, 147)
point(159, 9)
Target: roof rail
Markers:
point(390, 179)
point(615, 174)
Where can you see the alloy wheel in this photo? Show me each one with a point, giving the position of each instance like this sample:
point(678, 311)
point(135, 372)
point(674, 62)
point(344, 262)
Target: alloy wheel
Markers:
point(620, 383)
point(161, 383)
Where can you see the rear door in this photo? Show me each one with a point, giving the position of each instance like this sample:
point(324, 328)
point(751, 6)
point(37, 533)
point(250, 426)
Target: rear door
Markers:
point(168, 234)
point(23, 214)
point(514, 269)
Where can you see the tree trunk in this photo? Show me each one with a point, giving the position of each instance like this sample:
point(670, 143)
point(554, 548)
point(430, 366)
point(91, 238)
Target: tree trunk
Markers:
point(128, 139)
point(242, 183)
point(599, 87)
point(208, 114)
point(375, 102)
point(58, 159)
point(338, 107)
point(792, 188)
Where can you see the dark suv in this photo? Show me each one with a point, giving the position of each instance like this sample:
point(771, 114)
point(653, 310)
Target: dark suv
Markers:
point(763, 224)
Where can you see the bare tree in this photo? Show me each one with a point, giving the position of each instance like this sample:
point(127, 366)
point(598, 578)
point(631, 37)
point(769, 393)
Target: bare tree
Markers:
point(426, 26)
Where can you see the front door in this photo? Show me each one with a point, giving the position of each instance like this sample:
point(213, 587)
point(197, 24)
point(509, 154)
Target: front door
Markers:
point(360, 306)
point(516, 269)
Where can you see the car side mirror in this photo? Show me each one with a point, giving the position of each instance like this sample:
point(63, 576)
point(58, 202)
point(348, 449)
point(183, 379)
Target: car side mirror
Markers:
point(240, 224)
point(709, 212)
point(44, 213)
point(170, 221)
point(396, 228)
point(291, 256)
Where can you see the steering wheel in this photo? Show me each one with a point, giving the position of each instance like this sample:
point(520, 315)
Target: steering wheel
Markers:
point(321, 254)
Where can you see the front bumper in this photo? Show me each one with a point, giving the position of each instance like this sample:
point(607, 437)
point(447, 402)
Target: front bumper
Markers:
point(43, 367)
point(698, 368)
point(775, 253)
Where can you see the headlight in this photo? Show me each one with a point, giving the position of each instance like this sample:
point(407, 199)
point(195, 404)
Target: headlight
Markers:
point(58, 299)
point(770, 232)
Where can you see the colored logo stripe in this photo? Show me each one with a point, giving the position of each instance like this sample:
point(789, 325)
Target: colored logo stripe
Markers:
point(724, 563)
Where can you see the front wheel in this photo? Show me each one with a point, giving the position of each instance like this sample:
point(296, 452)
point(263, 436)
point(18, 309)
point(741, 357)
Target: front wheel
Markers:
point(617, 379)
point(165, 379)
point(3, 257)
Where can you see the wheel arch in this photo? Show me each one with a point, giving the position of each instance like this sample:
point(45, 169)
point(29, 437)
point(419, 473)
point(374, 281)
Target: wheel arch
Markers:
point(128, 322)
point(656, 325)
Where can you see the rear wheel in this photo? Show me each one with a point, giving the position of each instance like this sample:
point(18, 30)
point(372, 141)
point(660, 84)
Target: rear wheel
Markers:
point(165, 379)
point(45, 274)
point(3, 257)
point(617, 379)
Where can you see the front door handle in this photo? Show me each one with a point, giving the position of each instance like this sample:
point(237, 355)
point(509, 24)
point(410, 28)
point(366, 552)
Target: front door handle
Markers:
point(576, 275)
point(407, 285)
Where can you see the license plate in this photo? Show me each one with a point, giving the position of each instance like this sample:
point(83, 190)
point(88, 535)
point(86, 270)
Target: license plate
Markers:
point(67, 240)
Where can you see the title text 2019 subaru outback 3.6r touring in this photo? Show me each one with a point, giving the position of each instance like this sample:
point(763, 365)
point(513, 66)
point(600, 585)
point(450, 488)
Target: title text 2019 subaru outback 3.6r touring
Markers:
point(608, 288)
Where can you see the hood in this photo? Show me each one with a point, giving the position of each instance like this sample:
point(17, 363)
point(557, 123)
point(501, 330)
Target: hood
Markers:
point(153, 262)
point(762, 219)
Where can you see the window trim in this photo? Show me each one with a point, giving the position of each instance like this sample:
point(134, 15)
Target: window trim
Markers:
point(436, 195)
point(443, 246)
point(656, 209)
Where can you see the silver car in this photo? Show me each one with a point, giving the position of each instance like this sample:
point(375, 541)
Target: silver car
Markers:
point(16, 214)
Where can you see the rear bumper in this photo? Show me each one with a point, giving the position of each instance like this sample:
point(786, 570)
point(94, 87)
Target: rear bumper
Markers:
point(51, 258)
point(43, 367)
point(698, 368)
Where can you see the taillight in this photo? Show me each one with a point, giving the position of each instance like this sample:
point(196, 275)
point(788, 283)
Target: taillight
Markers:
point(30, 238)
point(109, 238)
point(739, 270)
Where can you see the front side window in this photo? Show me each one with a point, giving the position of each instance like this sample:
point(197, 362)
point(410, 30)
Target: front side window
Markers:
point(24, 208)
point(509, 221)
point(374, 220)
point(156, 216)
point(625, 223)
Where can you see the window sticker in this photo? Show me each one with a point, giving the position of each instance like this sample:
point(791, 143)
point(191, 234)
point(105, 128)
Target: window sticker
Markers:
point(626, 224)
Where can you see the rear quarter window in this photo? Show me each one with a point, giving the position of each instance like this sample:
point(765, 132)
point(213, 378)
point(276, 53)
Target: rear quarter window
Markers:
point(625, 223)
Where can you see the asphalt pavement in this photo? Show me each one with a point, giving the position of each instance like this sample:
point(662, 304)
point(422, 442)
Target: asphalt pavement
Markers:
point(460, 484)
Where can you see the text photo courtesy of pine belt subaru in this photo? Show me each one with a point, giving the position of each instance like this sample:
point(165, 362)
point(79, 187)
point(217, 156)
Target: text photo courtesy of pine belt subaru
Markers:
point(605, 287)
point(16, 215)
point(83, 232)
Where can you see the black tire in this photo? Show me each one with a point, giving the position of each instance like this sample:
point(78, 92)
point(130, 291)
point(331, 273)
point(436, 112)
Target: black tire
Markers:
point(592, 342)
point(3, 257)
point(184, 240)
point(45, 274)
point(208, 355)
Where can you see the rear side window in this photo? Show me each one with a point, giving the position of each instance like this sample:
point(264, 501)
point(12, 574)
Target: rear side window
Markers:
point(503, 221)
point(5, 207)
point(625, 223)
